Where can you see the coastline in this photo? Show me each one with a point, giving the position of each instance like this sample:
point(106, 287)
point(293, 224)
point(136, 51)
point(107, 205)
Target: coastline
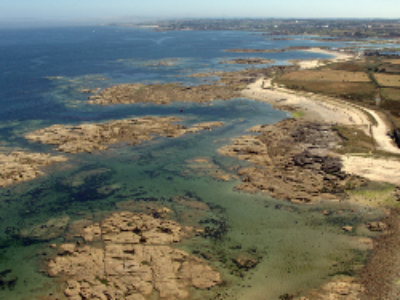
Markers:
point(315, 63)
point(312, 109)
point(332, 111)
point(378, 276)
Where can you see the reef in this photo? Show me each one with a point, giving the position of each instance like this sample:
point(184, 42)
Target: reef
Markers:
point(162, 93)
point(20, 166)
point(97, 137)
point(46, 231)
point(292, 160)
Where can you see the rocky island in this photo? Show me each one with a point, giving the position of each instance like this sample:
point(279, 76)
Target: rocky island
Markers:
point(97, 137)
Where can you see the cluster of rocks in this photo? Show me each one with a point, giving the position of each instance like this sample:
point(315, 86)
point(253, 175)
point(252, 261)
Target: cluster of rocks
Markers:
point(92, 137)
point(293, 161)
point(135, 261)
point(162, 93)
point(22, 166)
point(248, 61)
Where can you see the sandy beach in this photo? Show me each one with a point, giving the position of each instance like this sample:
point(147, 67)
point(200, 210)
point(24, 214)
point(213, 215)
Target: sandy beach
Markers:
point(333, 111)
point(314, 63)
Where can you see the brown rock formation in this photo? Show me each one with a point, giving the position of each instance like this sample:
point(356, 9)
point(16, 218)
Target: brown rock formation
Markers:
point(22, 166)
point(162, 93)
point(92, 137)
point(136, 261)
point(248, 61)
point(292, 161)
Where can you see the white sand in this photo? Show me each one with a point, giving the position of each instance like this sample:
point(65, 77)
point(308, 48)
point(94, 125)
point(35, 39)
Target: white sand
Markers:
point(375, 169)
point(332, 111)
point(314, 63)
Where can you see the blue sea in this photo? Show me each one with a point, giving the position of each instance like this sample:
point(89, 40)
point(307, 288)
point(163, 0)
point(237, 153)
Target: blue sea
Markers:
point(42, 71)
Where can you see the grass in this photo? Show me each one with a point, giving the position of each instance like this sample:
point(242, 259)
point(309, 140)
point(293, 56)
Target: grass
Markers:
point(386, 80)
point(354, 140)
point(391, 101)
point(346, 66)
point(392, 61)
point(327, 75)
point(375, 194)
point(357, 91)
point(298, 114)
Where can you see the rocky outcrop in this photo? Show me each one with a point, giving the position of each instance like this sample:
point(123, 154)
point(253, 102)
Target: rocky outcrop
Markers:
point(248, 61)
point(136, 261)
point(22, 166)
point(97, 137)
point(292, 160)
point(162, 93)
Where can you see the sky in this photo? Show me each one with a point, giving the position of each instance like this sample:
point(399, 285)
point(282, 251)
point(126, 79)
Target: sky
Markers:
point(114, 10)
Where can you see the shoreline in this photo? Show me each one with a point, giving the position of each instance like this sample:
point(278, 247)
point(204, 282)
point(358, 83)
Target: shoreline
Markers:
point(333, 112)
point(328, 110)
point(369, 283)
point(315, 63)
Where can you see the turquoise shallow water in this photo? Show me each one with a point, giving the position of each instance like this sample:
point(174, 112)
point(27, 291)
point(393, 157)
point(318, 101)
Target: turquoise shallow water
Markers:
point(296, 245)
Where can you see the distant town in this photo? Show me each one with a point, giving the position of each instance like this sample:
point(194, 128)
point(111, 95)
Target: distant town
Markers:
point(345, 28)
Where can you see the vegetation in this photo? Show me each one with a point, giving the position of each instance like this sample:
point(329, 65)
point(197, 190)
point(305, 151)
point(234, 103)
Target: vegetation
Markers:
point(361, 81)
point(339, 29)
point(354, 140)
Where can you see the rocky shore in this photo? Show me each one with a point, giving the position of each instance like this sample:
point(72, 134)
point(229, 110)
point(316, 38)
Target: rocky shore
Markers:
point(135, 260)
point(20, 166)
point(97, 137)
point(249, 50)
point(292, 160)
point(248, 61)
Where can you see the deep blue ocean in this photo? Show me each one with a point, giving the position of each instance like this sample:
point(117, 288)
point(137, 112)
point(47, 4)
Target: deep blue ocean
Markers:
point(42, 71)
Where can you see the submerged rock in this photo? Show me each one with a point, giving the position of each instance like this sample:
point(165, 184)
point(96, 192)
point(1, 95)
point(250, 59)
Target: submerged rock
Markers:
point(7, 280)
point(46, 231)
